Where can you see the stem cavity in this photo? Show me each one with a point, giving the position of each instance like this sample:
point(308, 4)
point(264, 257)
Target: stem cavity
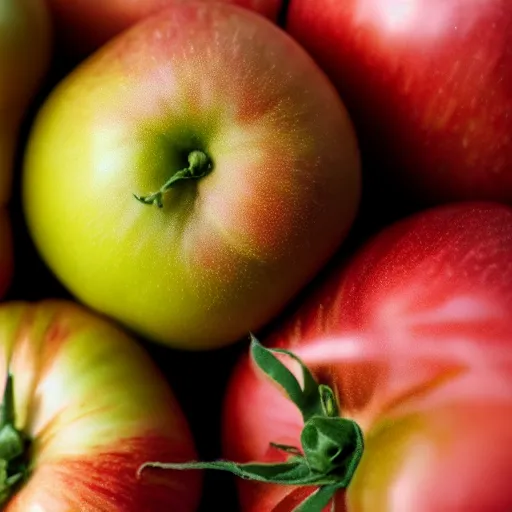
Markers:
point(199, 166)
point(331, 446)
point(13, 446)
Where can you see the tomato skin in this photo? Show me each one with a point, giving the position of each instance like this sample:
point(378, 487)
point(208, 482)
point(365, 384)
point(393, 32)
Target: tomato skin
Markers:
point(414, 334)
point(225, 253)
point(95, 408)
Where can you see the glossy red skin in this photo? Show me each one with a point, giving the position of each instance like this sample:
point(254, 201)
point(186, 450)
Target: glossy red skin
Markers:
point(6, 256)
point(414, 334)
point(82, 26)
point(429, 85)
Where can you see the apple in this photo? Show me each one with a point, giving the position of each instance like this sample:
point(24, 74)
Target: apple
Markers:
point(82, 26)
point(192, 176)
point(429, 86)
point(84, 406)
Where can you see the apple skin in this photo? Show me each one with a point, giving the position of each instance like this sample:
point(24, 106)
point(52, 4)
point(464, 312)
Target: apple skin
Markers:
point(95, 407)
point(82, 26)
point(429, 86)
point(227, 252)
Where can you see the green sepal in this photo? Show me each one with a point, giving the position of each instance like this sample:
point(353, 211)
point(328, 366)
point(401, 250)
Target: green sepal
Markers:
point(331, 446)
point(318, 500)
point(13, 445)
point(293, 472)
point(307, 397)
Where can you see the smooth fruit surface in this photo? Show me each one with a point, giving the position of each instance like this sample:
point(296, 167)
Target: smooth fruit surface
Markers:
point(414, 335)
point(226, 251)
point(429, 86)
point(93, 407)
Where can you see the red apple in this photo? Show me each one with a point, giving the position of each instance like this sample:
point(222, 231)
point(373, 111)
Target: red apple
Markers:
point(82, 26)
point(429, 86)
point(83, 408)
point(262, 150)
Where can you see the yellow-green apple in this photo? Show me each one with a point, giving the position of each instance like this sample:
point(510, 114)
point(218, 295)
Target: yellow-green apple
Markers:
point(429, 86)
point(190, 177)
point(24, 56)
point(83, 406)
point(82, 26)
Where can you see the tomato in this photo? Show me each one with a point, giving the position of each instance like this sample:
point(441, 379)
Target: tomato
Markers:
point(89, 406)
point(414, 336)
point(242, 160)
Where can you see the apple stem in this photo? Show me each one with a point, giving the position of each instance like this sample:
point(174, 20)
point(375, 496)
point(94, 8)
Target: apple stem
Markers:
point(331, 446)
point(199, 166)
point(13, 446)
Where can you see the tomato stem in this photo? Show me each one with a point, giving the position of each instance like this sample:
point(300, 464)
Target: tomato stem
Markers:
point(13, 446)
point(199, 166)
point(331, 446)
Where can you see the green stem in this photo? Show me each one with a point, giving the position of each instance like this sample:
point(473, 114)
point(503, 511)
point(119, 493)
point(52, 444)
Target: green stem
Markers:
point(331, 446)
point(13, 446)
point(199, 166)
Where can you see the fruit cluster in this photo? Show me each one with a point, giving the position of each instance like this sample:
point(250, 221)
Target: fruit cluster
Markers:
point(267, 237)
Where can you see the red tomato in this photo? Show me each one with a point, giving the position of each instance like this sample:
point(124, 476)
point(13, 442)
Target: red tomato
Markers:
point(89, 408)
point(415, 338)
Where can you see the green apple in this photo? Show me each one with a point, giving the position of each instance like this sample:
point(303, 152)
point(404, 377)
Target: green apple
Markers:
point(190, 177)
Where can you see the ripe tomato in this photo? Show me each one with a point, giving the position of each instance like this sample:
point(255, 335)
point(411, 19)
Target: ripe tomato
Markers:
point(89, 407)
point(415, 338)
